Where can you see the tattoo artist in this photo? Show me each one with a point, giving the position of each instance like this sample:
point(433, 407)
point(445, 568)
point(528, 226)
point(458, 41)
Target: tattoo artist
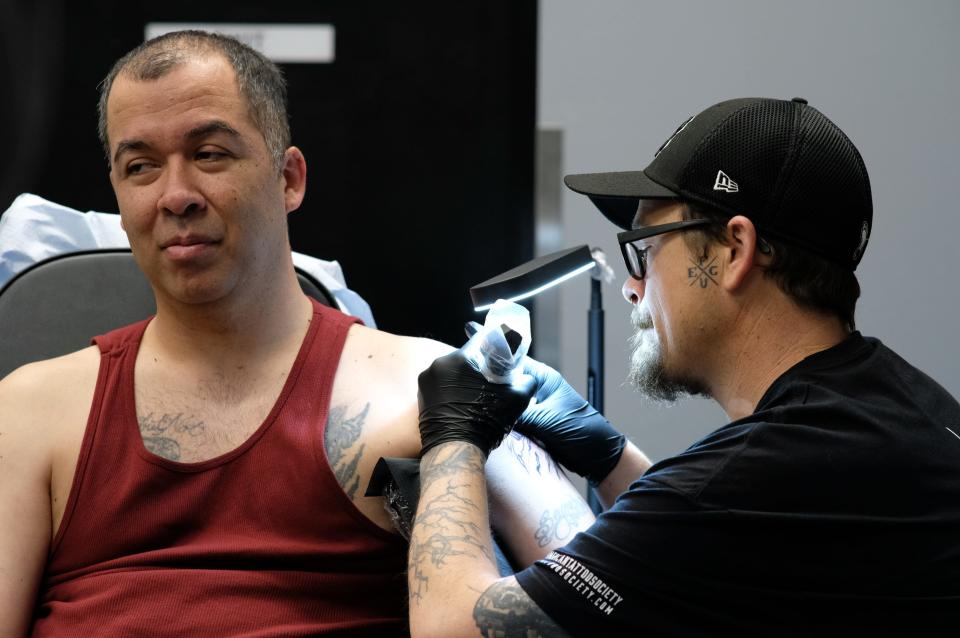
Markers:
point(828, 505)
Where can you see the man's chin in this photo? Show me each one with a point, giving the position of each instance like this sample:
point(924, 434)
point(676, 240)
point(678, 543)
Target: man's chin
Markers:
point(195, 289)
point(648, 373)
point(651, 382)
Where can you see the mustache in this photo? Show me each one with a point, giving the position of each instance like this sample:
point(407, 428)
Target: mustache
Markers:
point(641, 319)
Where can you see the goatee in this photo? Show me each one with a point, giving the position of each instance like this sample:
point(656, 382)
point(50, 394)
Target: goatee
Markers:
point(647, 368)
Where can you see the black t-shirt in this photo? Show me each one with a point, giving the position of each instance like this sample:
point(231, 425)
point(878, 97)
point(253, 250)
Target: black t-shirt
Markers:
point(834, 509)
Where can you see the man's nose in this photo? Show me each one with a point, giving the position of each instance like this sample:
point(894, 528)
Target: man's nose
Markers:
point(633, 290)
point(180, 195)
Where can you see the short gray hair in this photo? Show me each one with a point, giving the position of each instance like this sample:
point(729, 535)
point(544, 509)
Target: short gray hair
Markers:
point(261, 82)
point(811, 281)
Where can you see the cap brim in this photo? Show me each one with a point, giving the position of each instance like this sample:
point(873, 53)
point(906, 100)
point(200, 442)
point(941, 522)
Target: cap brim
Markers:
point(617, 195)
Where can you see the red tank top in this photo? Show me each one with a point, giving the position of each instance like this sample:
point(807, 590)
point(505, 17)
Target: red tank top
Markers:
point(260, 541)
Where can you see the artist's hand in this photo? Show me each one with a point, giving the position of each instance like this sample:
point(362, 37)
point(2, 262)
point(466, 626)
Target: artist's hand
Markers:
point(458, 404)
point(568, 427)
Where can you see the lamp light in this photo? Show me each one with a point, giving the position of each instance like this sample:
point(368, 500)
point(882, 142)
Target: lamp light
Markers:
point(533, 277)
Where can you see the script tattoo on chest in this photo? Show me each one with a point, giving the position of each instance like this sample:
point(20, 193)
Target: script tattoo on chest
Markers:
point(340, 441)
point(161, 433)
point(506, 610)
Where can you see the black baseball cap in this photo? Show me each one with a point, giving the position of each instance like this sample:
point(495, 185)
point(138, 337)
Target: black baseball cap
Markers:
point(781, 163)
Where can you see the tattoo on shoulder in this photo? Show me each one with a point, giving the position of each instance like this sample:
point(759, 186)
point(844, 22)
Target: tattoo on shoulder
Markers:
point(505, 611)
point(340, 438)
point(560, 523)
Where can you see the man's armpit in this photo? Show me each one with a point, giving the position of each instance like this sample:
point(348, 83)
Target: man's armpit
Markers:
point(504, 610)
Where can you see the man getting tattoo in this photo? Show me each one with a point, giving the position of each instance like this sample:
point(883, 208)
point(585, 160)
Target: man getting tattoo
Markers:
point(202, 473)
point(828, 505)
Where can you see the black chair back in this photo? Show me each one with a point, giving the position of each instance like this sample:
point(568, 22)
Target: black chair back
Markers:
point(57, 305)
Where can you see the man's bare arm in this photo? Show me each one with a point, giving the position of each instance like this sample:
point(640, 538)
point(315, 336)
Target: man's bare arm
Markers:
point(454, 585)
point(533, 506)
point(43, 414)
point(24, 501)
point(526, 485)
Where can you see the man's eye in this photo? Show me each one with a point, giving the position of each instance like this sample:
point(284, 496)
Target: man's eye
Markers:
point(134, 169)
point(210, 156)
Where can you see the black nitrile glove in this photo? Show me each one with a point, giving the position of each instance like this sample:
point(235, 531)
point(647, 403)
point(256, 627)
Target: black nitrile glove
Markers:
point(569, 428)
point(458, 404)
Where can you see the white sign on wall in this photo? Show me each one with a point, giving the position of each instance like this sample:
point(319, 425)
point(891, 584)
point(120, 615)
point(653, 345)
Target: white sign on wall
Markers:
point(282, 43)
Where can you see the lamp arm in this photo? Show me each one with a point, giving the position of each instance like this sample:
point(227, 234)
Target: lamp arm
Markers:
point(595, 368)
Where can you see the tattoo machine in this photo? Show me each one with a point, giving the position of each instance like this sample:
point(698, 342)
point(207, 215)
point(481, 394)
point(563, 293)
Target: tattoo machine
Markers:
point(497, 347)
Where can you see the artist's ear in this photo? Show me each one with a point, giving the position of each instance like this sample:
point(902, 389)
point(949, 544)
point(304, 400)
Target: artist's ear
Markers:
point(740, 251)
point(294, 174)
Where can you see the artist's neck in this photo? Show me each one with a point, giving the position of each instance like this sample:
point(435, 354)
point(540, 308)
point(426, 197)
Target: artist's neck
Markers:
point(772, 339)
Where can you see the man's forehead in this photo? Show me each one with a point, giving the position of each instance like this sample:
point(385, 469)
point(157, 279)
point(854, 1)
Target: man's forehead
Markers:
point(189, 95)
point(211, 74)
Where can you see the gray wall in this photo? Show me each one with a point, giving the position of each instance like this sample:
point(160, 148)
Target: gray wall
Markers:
point(617, 77)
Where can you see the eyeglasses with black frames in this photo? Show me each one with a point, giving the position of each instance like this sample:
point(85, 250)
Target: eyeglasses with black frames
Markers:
point(635, 257)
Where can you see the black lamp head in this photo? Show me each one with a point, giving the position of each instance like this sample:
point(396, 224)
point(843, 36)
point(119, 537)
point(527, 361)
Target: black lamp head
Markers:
point(535, 276)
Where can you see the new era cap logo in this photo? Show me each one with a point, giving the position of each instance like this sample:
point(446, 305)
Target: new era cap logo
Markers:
point(724, 183)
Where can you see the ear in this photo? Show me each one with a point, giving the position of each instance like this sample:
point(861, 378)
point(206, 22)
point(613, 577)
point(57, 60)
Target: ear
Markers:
point(294, 174)
point(741, 251)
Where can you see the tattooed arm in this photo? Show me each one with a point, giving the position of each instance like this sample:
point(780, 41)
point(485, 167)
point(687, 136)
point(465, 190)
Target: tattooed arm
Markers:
point(533, 507)
point(454, 585)
point(374, 413)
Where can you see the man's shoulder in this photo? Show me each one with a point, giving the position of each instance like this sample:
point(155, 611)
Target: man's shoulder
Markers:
point(381, 369)
point(865, 393)
point(862, 374)
point(40, 401)
point(383, 351)
point(689, 472)
point(50, 380)
point(373, 408)
point(917, 387)
point(816, 447)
